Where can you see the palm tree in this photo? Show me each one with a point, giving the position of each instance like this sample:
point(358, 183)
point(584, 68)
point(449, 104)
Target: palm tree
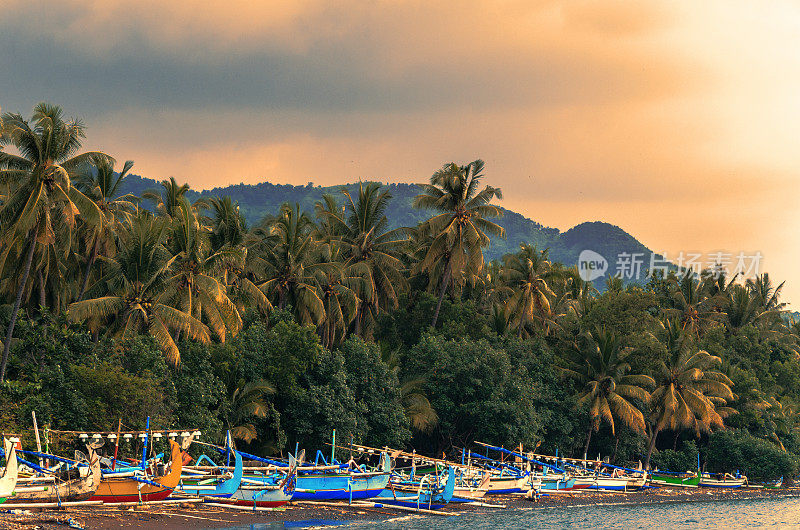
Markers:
point(246, 403)
point(692, 303)
point(229, 228)
point(767, 296)
point(418, 409)
point(691, 393)
point(228, 237)
point(461, 229)
point(573, 295)
point(370, 251)
point(767, 299)
point(101, 184)
point(167, 200)
point(195, 288)
point(285, 254)
point(526, 275)
point(338, 298)
point(599, 363)
point(132, 296)
point(42, 201)
point(742, 308)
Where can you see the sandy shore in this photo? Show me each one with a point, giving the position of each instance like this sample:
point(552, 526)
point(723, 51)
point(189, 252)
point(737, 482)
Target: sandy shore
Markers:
point(181, 516)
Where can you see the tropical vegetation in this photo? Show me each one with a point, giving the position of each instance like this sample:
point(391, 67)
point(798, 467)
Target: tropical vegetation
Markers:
point(332, 316)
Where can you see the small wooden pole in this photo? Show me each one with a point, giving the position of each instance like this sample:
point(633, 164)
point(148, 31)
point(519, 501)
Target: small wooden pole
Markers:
point(38, 440)
point(116, 445)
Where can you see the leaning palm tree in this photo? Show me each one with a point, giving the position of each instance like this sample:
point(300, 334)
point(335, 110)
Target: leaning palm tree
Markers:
point(598, 362)
point(460, 230)
point(526, 275)
point(101, 184)
point(133, 296)
point(42, 202)
point(691, 392)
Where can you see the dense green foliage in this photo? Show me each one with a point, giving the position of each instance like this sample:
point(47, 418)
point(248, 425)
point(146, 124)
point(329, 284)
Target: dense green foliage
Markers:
point(371, 310)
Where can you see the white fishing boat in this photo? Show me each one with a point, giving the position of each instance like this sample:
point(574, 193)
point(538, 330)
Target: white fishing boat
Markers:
point(721, 480)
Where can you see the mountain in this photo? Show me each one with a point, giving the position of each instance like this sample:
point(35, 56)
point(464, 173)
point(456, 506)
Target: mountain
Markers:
point(257, 200)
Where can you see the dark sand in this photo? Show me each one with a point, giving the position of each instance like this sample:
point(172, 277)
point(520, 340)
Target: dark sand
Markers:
point(181, 516)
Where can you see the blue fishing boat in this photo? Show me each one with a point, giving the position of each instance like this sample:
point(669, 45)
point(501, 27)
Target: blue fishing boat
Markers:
point(216, 483)
point(557, 482)
point(341, 482)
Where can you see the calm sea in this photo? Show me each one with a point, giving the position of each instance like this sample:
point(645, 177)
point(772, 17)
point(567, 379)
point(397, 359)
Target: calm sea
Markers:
point(756, 513)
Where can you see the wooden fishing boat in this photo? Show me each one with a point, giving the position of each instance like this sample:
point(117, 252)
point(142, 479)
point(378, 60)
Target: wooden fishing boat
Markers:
point(557, 482)
point(470, 490)
point(132, 486)
point(268, 489)
point(721, 480)
point(77, 483)
point(218, 483)
point(430, 493)
point(602, 483)
point(505, 484)
point(686, 479)
point(8, 481)
point(342, 484)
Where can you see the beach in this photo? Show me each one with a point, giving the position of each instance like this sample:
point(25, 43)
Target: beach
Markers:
point(306, 514)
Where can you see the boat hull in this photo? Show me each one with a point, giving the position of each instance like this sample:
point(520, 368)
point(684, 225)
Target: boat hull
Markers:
point(675, 480)
point(550, 483)
point(507, 485)
point(77, 489)
point(269, 499)
point(340, 487)
point(224, 489)
point(127, 489)
point(721, 481)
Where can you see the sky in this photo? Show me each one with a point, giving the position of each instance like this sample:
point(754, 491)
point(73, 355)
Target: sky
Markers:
point(676, 120)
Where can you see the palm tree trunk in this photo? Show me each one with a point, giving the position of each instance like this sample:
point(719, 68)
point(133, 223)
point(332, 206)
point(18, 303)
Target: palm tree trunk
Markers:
point(281, 299)
point(442, 291)
point(652, 446)
point(359, 316)
point(42, 294)
point(588, 439)
point(17, 301)
point(85, 282)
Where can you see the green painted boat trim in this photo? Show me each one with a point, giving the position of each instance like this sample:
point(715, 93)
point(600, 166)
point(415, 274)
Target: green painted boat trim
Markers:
point(676, 480)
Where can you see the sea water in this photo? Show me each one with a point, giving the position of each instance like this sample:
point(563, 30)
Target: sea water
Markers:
point(779, 512)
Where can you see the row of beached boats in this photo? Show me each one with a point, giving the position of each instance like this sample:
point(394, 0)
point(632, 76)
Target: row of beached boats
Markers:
point(381, 476)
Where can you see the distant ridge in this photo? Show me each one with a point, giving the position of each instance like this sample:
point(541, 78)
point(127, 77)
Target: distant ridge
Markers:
point(257, 200)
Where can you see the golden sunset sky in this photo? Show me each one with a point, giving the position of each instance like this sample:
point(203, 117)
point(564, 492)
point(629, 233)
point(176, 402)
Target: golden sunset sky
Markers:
point(676, 120)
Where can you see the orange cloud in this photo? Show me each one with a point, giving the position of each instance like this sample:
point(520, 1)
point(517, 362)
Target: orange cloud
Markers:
point(675, 120)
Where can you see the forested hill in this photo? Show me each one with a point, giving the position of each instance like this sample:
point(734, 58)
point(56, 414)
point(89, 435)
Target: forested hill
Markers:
point(257, 200)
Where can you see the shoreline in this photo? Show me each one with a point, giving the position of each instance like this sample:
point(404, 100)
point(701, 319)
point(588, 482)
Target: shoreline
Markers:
point(183, 515)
